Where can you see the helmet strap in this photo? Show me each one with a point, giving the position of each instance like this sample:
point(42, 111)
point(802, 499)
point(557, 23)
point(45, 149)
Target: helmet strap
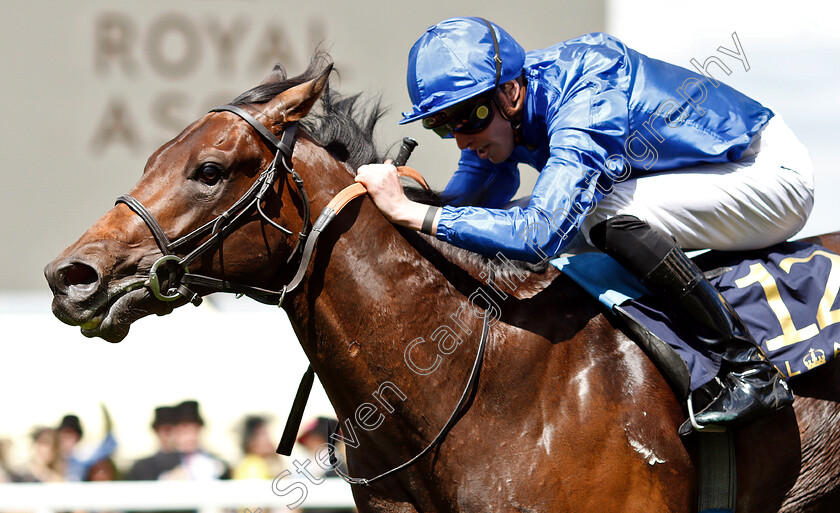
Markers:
point(497, 59)
point(510, 111)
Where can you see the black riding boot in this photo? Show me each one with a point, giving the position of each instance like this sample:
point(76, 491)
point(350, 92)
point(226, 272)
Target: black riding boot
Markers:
point(752, 385)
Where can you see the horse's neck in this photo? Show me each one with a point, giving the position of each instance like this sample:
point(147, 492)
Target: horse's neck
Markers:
point(391, 324)
point(368, 293)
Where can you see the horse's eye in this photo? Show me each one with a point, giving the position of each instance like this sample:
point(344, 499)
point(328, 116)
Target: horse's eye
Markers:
point(209, 173)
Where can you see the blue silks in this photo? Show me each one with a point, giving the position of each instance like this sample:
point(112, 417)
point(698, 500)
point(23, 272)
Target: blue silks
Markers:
point(596, 113)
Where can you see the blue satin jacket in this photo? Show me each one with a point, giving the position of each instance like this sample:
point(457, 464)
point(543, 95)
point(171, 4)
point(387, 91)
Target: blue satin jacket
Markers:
point(596, 113)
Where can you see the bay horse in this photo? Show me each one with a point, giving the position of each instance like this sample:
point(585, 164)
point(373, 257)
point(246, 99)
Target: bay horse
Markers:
point(568, 414)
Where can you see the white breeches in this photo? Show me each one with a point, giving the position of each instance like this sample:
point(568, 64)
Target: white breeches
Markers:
point(760, 200)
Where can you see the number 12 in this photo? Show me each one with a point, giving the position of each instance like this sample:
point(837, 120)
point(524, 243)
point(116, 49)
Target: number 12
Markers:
point(825, 315)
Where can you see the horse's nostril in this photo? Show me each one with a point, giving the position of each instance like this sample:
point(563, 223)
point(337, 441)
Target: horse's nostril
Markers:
point(79, 274)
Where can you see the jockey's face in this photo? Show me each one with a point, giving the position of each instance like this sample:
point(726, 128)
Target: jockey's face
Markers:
point(494, 143)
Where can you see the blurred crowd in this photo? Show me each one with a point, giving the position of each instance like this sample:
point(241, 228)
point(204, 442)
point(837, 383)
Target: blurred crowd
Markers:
point(56, 453)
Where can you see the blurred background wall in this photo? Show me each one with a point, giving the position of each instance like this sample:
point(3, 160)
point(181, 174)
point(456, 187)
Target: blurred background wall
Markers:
point(91, 89)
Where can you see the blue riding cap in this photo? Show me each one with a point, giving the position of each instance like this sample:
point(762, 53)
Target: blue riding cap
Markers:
point(454, 61)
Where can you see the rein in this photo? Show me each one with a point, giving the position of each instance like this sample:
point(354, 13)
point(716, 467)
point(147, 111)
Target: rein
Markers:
point(460, 409)
point(179, 276)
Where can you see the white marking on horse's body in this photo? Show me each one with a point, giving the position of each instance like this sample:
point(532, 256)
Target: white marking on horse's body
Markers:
point(546, 438)
point(582, 382)
point(649, 456)
point(635, 376)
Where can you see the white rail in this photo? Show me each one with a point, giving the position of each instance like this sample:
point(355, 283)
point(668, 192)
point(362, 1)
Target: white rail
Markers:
point(206, 496)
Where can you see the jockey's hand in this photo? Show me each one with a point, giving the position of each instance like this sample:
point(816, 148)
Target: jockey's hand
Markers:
point(386, 191)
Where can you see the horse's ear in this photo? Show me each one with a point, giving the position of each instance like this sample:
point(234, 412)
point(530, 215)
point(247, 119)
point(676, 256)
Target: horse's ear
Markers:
point(277, 74)
point(295, 103)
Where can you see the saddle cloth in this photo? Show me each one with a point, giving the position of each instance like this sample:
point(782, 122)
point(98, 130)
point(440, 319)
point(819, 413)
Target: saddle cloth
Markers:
point(786, 295)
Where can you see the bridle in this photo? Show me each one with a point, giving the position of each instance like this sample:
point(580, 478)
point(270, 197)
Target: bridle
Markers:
point(179, 278)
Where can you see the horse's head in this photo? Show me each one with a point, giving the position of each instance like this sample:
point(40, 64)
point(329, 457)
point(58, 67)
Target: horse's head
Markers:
point(206, 194)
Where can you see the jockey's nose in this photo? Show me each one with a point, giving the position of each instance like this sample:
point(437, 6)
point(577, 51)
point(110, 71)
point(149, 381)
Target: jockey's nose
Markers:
point(463, 140)
point(72, 278)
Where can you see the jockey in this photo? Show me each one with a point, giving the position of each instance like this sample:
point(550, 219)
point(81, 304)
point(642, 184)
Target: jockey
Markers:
point(641, 156)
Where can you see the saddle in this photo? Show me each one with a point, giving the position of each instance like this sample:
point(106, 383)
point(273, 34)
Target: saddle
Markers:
point(785, 295)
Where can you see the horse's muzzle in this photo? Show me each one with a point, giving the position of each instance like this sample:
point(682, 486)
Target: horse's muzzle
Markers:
point(75, 285)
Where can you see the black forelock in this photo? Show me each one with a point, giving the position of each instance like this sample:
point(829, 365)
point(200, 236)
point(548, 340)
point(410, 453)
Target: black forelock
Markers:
point(344, 125)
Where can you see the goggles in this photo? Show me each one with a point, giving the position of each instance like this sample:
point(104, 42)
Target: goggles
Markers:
point(469, 119)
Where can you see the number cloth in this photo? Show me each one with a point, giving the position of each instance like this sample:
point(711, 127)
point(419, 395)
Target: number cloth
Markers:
point(786, 295)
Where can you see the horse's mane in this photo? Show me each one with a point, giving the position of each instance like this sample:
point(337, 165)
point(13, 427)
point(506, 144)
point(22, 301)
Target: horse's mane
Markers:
point(344, 126)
